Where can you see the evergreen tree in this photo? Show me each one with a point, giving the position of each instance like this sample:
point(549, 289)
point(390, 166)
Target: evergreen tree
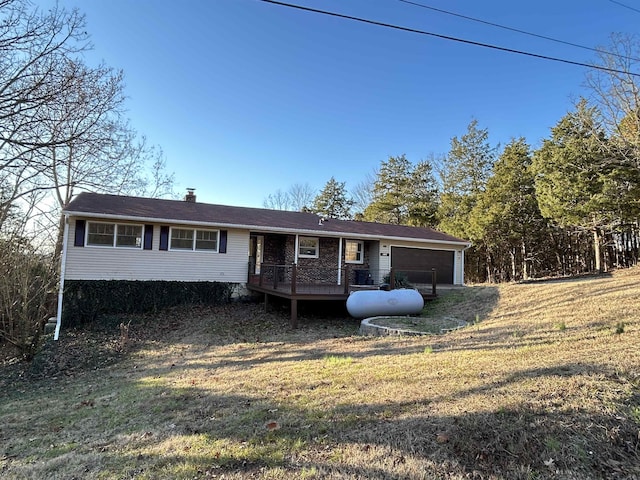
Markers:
point(464, 175)
point(332, 201)
point(506, 215)
point(579, 183)
point(403, 193)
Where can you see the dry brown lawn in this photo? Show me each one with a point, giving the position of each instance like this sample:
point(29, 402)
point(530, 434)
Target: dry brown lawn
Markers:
point(544, 383)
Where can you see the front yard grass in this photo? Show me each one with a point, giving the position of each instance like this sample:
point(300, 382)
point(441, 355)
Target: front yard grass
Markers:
point(233, 393)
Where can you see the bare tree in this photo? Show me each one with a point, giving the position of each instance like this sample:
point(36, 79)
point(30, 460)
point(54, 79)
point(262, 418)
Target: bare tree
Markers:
point(301, 196)
point(617, 95)
point(362, 193)
point(99, 151)
point(278, 200)
point(62, 129)
point(62, 126)
point(31, 46)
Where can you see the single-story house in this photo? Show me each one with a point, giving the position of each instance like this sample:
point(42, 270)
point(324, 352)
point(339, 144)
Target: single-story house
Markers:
point(113, 237)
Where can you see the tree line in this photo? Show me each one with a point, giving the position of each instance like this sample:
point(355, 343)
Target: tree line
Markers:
point(567, 207)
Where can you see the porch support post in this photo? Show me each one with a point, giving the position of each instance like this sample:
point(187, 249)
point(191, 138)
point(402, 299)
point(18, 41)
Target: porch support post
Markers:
point(347, 275)
point(340, 242)
point(294, 278)
point(266, 303)
point(294, 313)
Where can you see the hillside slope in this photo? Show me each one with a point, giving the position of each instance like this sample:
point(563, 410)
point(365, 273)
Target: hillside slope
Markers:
point(545, 385)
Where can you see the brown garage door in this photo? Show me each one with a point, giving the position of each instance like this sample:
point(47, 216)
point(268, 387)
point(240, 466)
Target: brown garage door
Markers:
point(414, 260)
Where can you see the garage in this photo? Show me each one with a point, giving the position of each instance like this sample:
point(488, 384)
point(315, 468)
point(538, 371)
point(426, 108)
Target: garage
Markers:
point(417, 261)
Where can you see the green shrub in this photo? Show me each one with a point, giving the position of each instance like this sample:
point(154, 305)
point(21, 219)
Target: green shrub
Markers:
point(401, 280)
point(85, 300)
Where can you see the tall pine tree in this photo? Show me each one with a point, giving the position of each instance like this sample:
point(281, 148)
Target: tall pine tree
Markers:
point(506, 216)
point(403, 193)
point(464, 176)
point(575, 176)
point(333, 201)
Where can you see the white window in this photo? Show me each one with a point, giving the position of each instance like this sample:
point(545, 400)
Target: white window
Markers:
point(207, 240)
point(190, 239)
point(181, 239)
point(129, 236)
point(308, 247)
point(354, 251)
point(101, 234)
point(114, 235)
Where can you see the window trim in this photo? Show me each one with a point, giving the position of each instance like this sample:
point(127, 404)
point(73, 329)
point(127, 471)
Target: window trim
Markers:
point(317, 242)
point(114, 241)
point(194, 240)
point(360, 250)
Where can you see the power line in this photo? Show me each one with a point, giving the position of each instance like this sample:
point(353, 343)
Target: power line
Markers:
point(447, 37)
point(625, 6)
point(544, 37)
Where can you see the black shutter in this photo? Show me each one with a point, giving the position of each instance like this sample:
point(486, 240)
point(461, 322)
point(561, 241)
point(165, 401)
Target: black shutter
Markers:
point(164, 237)
point(223, 242)
point(78, 241)
point(148, 237)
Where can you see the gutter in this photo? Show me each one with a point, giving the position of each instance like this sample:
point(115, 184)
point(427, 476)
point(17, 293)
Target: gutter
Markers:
point(63, 264)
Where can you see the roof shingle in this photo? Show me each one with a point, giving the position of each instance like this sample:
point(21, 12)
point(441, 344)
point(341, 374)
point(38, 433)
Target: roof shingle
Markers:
point(149, 209)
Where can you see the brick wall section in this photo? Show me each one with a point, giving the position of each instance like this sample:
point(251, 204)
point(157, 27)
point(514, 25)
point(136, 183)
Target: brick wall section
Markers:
point(274, 249)
point(274, 254)
point(280, 250)
point(323, 269)
point(290, 249)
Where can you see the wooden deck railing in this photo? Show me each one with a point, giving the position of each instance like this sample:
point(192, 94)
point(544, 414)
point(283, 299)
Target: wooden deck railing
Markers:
point(297, 283)
point(402, 278)
point(292, 279)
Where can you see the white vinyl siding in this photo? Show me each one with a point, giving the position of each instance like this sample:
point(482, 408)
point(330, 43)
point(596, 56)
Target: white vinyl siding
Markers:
point(132, 264)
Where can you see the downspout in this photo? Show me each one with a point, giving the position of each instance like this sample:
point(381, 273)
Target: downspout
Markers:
point(63, 264)
point(296, 249)
point(340, 260)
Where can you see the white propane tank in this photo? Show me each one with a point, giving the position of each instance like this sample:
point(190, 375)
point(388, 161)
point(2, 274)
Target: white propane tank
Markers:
point(373, 303)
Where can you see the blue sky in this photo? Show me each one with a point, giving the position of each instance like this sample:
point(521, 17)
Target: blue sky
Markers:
point(246, 97)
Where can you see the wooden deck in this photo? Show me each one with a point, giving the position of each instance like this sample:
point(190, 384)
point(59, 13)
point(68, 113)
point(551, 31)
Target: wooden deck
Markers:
point(283, 281)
